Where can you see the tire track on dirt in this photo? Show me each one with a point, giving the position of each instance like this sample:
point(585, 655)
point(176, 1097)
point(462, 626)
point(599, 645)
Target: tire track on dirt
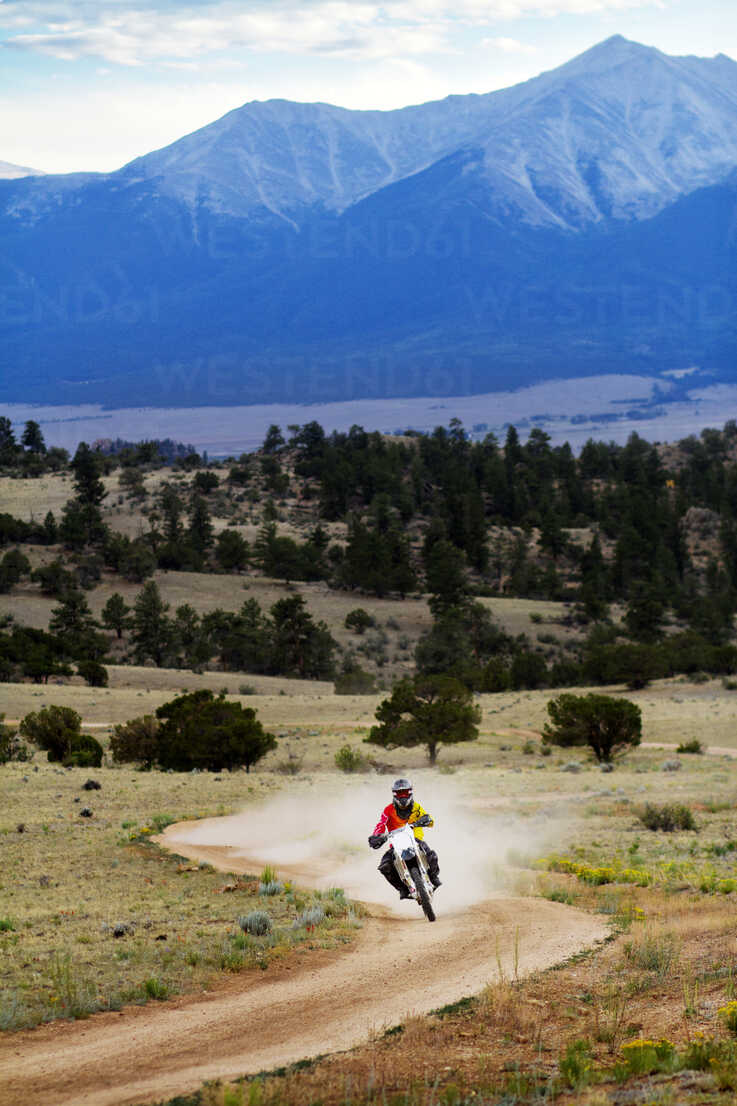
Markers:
point(398, 966)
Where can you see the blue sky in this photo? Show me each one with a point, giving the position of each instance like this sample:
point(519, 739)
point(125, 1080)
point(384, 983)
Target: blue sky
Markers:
point(90, 84)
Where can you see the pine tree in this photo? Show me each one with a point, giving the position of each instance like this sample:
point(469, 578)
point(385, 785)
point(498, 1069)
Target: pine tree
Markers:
point(299, 645)
point(32, 439)
point(172, 509)
point(116, 614)
point(274, 440)
point(445, 576)
point(8, 444)
point(73, 624)
point(86, 466)
point(50, 529)
point(82, 517)
point(153, 632)
point(232, 551)
point(200, 533)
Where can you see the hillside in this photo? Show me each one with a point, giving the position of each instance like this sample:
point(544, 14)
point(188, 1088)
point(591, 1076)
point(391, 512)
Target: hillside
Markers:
point(508, 566)
point(574, 225)
point(517, 568)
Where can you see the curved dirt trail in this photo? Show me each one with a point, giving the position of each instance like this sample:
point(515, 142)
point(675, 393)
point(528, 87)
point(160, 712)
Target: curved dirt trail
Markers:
point(398, 965)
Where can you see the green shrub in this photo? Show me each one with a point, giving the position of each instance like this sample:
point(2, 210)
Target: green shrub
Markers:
point(257, 923)
point(86, 753)
point(722, 849)
point(653, 951)
point(693, 746)
point(76, 994)
point(644, 1057)
point(155, 988)
point(575, 1065)
point(669, 817)
point(159, 822)
point(309, 918)
point(358, 620)
point(93, 673)
point(58, 731)
point(273, 887)
point(290, 766)
point(704, 1053)
point(55, 729)
point(10, 746)
point(558, 895)
point(6, 925)
point(355, 682)
point(201, 731)
point(137, 740)
point(728, 1015)
point(349, 760)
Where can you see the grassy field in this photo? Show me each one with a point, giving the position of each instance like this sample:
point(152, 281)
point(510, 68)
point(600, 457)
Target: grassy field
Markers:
point(70, 883)
point(94, 916)
point(673, 711)
point(398, 624)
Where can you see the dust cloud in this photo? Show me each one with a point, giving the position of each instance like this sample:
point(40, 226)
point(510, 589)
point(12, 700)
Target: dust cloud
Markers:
point(319, 838)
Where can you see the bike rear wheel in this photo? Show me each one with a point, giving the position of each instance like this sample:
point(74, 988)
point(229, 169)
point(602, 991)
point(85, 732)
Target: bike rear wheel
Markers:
point(422, 894)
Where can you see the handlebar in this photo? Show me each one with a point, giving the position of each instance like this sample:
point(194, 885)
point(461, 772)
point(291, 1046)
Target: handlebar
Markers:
point(376, 840)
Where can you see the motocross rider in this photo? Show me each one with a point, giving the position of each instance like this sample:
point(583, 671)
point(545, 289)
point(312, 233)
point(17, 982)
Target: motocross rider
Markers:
point(401, 810)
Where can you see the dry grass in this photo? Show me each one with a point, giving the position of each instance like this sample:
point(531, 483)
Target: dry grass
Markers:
point(69, 881)
point(401, 622)
point(65, 879)
point(514, 1038)
point(554, 1037)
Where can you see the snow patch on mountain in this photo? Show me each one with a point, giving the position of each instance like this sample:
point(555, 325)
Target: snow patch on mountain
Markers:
point(619, 132)
point(8, 171)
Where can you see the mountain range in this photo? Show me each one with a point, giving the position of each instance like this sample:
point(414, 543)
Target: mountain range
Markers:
point(582, 222)
point(8, 171)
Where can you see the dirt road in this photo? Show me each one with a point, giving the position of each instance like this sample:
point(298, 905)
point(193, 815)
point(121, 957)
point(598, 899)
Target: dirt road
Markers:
point(398, 965)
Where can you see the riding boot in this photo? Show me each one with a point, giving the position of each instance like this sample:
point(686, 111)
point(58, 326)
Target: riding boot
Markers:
point(391, 875)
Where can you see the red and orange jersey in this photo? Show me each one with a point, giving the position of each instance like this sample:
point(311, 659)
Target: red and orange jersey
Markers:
point(390, 820)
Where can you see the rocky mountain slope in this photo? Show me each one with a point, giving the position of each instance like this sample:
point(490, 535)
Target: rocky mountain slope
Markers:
point(506, 237)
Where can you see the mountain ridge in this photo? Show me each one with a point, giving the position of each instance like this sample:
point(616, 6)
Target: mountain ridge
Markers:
point(496, 238)
point(287, 157)
point(10, 171)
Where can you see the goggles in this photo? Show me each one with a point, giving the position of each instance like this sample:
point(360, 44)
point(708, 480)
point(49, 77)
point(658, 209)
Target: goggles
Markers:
point(403, 793)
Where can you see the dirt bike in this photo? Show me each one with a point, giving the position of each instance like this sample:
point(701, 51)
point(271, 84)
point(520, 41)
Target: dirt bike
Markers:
point(410, 863)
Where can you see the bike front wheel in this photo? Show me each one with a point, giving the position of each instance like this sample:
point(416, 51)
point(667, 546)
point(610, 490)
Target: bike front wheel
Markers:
point(422, 894)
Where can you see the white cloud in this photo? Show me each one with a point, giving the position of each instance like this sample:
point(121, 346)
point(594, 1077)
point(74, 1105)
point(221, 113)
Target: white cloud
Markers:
point(135, 36)
point(509, 45)
point(481, 12)
point(140, 31)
